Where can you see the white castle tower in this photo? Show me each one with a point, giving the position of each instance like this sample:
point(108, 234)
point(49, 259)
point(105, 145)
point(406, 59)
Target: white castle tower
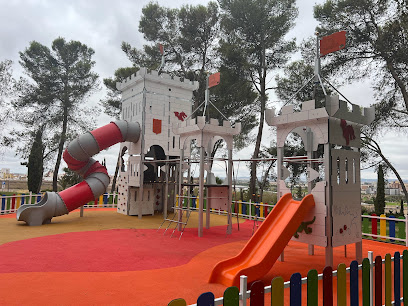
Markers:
point(156, 102)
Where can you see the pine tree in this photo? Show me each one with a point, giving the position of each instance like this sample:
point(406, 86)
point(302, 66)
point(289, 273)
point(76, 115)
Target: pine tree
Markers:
point(379, 203)
point(35, 163)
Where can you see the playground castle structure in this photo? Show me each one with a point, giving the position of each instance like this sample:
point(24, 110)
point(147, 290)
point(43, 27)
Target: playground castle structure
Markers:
point(156, 176)
point(148, 180)
point(155, 135)
point(156, 132)
point(334, 176)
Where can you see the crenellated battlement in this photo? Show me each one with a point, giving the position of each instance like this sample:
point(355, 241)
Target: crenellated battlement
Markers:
point(339, 109)
point(213, 126)
point(334, 108)
point(153, 75)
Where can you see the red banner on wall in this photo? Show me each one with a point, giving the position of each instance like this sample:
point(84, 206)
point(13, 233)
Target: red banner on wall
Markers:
point(332, 43)
point(157, 126)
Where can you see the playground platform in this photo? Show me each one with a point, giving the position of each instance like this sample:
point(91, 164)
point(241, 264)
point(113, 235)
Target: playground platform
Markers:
point(108, 258)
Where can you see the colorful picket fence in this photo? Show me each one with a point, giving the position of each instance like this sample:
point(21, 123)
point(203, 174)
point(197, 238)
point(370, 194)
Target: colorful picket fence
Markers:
point(378, 288)
point(10, 204)
point(385, 228)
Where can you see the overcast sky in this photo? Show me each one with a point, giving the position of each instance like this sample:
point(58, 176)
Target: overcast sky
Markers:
point(103, 25)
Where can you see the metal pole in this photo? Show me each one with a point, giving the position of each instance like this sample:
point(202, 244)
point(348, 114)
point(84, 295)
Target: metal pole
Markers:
point(201, 190)
point(229, 229)
point(371, 260)
point(180, 189)
point(142, 153)
point(206, 95)
point(243, 288)
point(166, 189)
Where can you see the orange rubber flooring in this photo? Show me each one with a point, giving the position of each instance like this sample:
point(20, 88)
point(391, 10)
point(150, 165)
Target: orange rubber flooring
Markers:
point(110, 259)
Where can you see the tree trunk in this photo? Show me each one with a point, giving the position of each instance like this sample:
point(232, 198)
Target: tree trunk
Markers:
point(60, 149)
point(116, 173)
point(252, 182)
point(399, 82)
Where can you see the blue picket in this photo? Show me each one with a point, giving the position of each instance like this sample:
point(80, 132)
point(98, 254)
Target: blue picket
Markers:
point(3, 203)
point(244, 209)
point(39, 198)
point(22, 199)
point(391, 224)
point(354, 283)
point(206, 299)
point(105, 199)
point(257, 210)
point(397, 279)
point(296, 290)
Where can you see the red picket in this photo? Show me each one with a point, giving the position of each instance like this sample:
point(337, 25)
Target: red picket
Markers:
point(374, 225)
point(328, 286)
point(257, 294)
point(13, 202)
point(378, 281)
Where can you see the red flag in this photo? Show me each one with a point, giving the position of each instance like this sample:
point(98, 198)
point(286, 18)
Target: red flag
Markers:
point(332, 43)
point(161, 49)
point(214, 80)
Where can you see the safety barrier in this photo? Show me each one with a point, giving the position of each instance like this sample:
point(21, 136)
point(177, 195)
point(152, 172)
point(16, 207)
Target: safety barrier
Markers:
point(376, 287)
point(384, 228)
point(387, 229)
point(10, 204)
point(247, 210)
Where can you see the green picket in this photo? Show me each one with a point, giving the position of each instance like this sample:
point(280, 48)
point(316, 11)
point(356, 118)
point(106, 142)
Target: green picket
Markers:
point(366, 282)
point(341, 285)
point(312, 288)
point(231, 296)
point(401, 228)
point(405, 276)
point(366, 223)
point(277, 289)
point(387, 280)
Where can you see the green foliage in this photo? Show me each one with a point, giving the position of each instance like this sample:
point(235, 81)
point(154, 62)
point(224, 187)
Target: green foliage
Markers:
point(35, 163)
point(377, 35)
point(299, 192)
point(6, 79)
point(6, 91)
point(69, 178)
point(294, 147)
point(257, 28)
point(190, 37)
point(218, 180)
point(379, 203)
point(111, 103)
point(61, 78)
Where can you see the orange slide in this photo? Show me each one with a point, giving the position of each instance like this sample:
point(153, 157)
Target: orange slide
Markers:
point(263, 249)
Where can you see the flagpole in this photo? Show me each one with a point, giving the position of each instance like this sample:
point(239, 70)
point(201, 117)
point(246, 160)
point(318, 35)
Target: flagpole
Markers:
point(206, 95)
point(318, 67)
point(317, 59)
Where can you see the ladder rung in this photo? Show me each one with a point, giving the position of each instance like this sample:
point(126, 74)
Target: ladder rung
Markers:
point(175, 221)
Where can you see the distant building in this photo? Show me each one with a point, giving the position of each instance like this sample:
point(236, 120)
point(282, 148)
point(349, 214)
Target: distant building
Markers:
point(368, 188)
point(394, 185)
point(392, 191)
point(5, 173)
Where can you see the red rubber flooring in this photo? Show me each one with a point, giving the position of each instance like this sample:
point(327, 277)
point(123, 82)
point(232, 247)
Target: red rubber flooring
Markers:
point(137, 267)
